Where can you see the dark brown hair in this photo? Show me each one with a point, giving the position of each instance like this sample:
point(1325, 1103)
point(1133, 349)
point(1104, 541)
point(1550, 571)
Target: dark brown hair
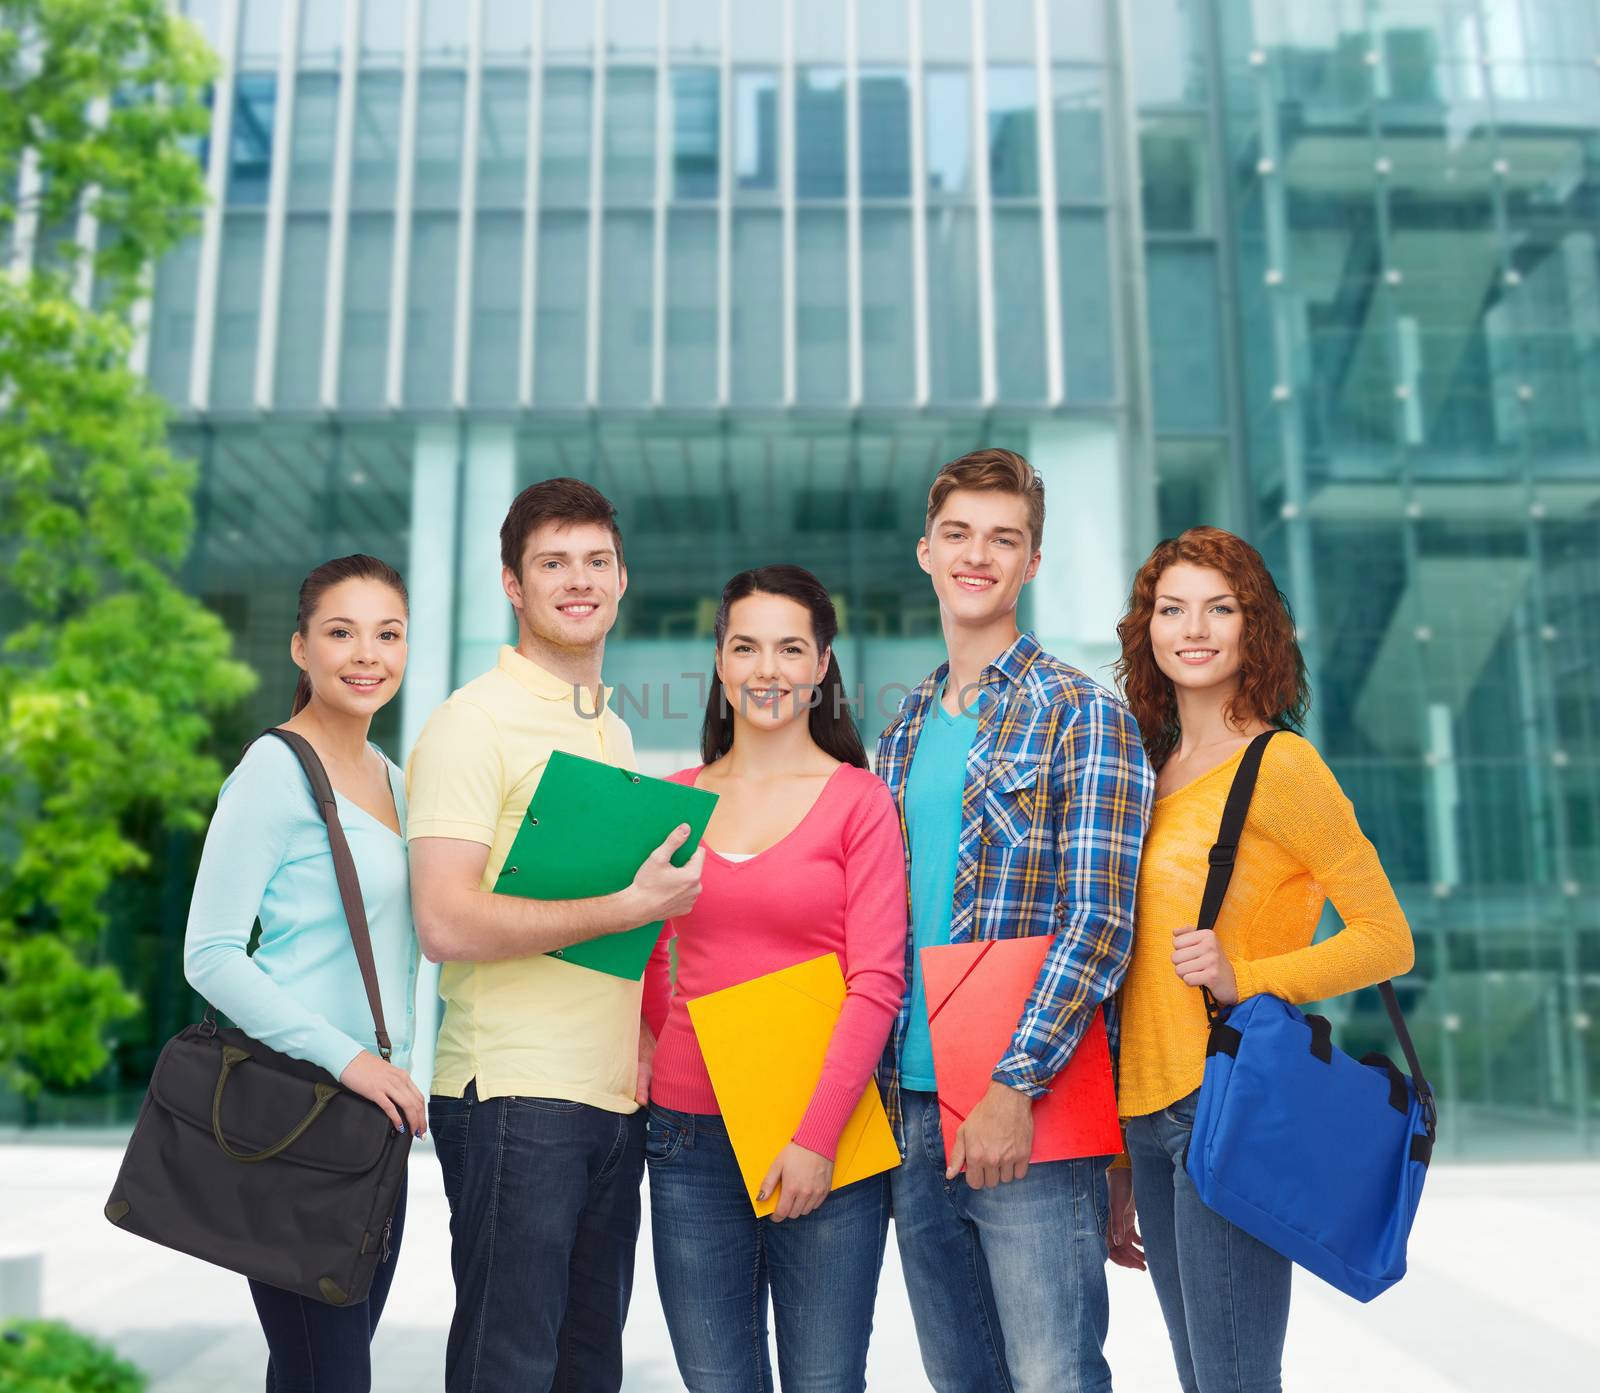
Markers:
point(991, 471)
point(558, 500)
point(831, 725)
point(1272, 673)
point(323, 579)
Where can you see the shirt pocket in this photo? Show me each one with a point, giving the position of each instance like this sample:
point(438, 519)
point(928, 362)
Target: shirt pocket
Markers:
point(1012, 793)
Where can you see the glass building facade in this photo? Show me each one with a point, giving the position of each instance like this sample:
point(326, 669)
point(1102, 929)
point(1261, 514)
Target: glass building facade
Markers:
point(1326, 272)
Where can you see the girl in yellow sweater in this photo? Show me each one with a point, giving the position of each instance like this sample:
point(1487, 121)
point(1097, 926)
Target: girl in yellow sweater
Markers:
point(1209, 661)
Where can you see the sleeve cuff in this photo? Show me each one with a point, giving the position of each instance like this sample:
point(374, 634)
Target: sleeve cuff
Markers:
point(1244, 978)
point(1024, 1073)
point(830, 1108)
point(333, 1050)
point(456, 831)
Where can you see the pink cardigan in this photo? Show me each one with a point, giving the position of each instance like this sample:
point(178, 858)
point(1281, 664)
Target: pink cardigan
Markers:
point(836, 884)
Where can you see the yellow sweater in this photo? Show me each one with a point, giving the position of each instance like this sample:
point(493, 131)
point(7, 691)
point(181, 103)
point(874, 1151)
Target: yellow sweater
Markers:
point(1301, 845)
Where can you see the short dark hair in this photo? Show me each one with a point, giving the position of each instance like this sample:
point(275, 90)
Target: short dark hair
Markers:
point(991, 470)
point(561, 500)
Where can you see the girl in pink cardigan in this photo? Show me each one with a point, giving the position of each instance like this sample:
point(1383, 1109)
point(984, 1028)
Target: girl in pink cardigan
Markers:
point(804, 857)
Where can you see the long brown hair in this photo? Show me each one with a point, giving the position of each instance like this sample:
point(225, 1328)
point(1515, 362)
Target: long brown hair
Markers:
point(1272, 674)
point(324, 578)
point(831, 726)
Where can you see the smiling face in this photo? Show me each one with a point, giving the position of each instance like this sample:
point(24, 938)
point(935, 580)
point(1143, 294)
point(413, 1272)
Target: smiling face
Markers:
point(571, 581)
point(769, 662)
point(354, 649)
point(1197, 629)
point(980, 553)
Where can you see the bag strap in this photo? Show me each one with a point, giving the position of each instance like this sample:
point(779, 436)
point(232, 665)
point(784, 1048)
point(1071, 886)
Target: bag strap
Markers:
point(1222, 856)
point(344, 870)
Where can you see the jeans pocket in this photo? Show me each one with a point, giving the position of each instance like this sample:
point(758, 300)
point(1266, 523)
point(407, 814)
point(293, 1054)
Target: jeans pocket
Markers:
point(1182, 1113)
point(543, 1104)
point(663, 1137)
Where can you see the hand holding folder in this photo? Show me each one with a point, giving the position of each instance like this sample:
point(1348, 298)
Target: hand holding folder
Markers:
point(764, 1042)
point(588, 829)
point(976, 994)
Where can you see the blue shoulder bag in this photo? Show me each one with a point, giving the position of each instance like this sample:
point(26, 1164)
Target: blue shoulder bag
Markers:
point(1320, 1156)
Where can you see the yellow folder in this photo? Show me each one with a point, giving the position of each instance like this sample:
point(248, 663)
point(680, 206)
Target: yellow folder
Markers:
point(764, 1042)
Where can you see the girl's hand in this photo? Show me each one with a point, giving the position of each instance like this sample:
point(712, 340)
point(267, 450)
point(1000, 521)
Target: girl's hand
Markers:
point(1123, 1244)
point(390, 1088)
point(1197, 959)
point(802, 1179)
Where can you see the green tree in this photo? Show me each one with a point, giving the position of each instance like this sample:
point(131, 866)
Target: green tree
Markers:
point(109, 674)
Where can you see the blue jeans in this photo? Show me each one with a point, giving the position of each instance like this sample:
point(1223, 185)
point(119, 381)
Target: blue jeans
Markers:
point(1224, 1294)
point(313, 1347)
point(716, 1263)
point(544, 1215)
point(1007, 1286)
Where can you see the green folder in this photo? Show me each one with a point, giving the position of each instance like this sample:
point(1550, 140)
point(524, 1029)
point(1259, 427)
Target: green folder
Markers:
point(587, 831)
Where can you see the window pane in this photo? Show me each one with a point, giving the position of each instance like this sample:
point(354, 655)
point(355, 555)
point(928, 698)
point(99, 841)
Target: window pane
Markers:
point(1175, 69)
point(363, 351)
point(569, 33)
point(430, 321)
point(696, 132)
point(625, 308)
point(1080, 141)
point(1019, 304)
point(496, 308)
point(1013, 133)
point(298, 370)
point(564, 125)
point(885, 103)
point(1077, 30)
point(1008, 26)
point(947, 30)
point(507, 29)
point(821, 308)
point(1185, 351)
point(757, 311)
point(691, 339)
point(383, 35)
point(172, 320)
point(321, 36)
point(948, 95)
point(255, 103)
point(375, 158)
point(883, 31)
point(444, 31)
point(260, 23)
point(503, 140)
point(953, 362)
point(630, 135)
point(819, 31)
point(819, 133)
point(755, 129)
point(631, 29)
point(695, 28)
point(441, 112)
point(560, 333)
point(233, 362)
point(1175, 166)
point(888, 368)
point(316, 101)
point(1086, 307)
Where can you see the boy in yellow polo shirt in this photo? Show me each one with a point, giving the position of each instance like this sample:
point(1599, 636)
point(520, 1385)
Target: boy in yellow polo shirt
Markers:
point(542, 1064)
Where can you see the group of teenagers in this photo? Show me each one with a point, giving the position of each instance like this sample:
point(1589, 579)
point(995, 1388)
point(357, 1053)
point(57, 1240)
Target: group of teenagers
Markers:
point(1010, 796)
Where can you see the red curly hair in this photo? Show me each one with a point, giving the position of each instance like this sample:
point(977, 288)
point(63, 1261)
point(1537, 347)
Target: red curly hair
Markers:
point(1272, 674)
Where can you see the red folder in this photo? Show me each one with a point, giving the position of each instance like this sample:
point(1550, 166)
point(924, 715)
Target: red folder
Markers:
point(976, 993)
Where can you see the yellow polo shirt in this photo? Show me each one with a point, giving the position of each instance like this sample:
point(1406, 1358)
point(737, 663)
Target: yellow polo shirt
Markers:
point(534, 1027)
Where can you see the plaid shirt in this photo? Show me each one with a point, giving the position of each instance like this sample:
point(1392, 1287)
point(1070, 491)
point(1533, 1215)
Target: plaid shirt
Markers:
point(1054, 809)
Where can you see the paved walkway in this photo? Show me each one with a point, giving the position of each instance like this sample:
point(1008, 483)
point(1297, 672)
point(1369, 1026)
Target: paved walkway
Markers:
point(1502, 1296)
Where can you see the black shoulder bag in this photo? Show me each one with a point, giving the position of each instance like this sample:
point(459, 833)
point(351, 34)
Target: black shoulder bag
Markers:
point(261, 1163)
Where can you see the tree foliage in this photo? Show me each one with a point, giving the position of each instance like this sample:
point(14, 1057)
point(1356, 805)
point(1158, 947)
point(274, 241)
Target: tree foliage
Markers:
point(109, 673)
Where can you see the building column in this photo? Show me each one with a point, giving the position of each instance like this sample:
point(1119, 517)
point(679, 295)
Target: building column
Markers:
point(484, 618)
point(430, 576)
point(1088, 548)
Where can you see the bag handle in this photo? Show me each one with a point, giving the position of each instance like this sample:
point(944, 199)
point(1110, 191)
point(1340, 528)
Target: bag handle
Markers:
point(1221, 858)
point(344, 870)
point(232, 1055)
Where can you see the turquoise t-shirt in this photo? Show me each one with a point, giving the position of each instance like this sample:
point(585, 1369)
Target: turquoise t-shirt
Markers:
point(933, 828)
